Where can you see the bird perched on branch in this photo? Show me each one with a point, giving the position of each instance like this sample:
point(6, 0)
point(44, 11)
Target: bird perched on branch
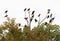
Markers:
point(33, 12)
point(25, 18)
point(25, 9)
point(39, 15)
point(51, 20)
point(35, 20)
point(48, 16)
point(25, 26)
point(6, 11)
point(28, 9)
point(32, 16)
point(51, 15)
point(30, 19)
point(6, 15)
point(48, 11)
point(19, 24)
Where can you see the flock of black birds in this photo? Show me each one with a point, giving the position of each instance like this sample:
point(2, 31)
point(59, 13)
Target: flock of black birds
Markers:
point(6, 13)
point(32, 16)
point(48, 16)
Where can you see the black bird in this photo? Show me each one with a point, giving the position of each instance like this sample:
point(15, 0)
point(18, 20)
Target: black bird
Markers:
point(30, 19)
point(38, 15)
point(6, 11)
point(19, 24)
point(48, 11)
point(6, 15)
point(28, 9)
point(50, 20)
point(25, 18)
point(35, 20)
point(25, 26)
point(25, 9)
point(48, 16)
point(45, 23)
point(51, 15)
point(53, 18)
point(32, 16)
point(33, 12)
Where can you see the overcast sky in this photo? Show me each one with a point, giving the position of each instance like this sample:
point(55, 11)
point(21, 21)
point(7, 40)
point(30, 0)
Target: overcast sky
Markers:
point(15, 9)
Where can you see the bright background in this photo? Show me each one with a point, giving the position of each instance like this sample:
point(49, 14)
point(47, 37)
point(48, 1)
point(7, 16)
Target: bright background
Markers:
point(15, 9)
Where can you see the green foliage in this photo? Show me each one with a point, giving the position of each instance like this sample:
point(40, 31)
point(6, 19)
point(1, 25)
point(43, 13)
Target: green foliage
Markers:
point(39, 33)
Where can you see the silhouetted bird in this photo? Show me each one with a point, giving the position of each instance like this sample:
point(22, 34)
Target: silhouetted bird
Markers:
point(6, 15)
point(51, 15)
point(6, 11)
point(39, 15)
point(25, 9)
point(48, 11)
point(45, 23)
point(25, 18)
point(48, 16)
point(30, 19)
point(33, 12)
point(19, 24)
point(28, 9)
point(53, 18)
point(25, 26)
point(35, 20)
point(32, 16)
point(50, 20)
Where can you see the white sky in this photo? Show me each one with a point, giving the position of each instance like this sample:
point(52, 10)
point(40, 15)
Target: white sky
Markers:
point(15, 9)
